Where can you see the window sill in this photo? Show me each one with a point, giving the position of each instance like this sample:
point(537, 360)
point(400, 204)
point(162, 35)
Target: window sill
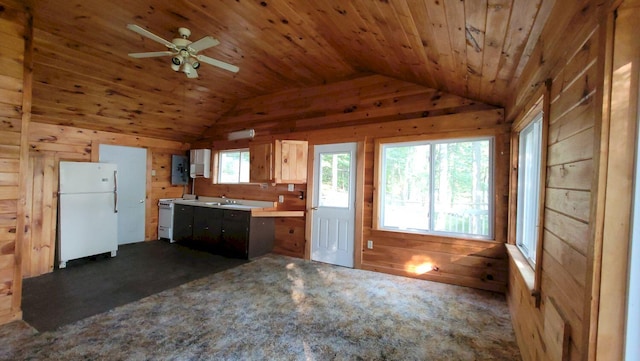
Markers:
point(462, 236)
point(526, 271)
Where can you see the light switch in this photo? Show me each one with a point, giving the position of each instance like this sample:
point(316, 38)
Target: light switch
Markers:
point(290, 187)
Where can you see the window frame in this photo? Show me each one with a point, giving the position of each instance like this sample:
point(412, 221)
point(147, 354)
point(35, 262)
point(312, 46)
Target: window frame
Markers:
point(531, 272)
point(435, 139)
point(218, 166)
point(524, 214)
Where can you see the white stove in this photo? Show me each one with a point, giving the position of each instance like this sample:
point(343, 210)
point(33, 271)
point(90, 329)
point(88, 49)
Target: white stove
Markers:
point(165, 218)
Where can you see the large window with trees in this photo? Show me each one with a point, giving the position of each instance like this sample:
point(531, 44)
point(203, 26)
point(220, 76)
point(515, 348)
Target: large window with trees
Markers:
point(441, 187)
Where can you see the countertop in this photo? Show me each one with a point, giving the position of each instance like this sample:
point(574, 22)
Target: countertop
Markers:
point(257, 208)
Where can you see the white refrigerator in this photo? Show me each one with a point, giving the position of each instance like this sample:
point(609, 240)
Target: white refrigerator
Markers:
point(88, 213)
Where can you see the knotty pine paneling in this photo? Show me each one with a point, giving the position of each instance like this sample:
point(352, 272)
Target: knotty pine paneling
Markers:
point(84, 78)
point(38, 246)
point(15, 97)
point(367, 100)
point(361, 110)
point(568, 54)
point(50, 144)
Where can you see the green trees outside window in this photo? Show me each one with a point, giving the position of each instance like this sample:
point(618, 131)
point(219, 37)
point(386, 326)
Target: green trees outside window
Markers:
point(437, 186)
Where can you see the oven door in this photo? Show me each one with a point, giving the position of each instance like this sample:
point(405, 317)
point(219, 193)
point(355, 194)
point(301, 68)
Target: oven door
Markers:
point(165, 221)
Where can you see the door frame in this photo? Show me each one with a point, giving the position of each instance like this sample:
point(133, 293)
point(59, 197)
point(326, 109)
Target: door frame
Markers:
point(148, 207)
point(612, 199)
point(359, 201)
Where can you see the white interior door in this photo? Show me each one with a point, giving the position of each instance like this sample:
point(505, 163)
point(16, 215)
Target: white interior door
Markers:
point(333, 216)
point(132, 184)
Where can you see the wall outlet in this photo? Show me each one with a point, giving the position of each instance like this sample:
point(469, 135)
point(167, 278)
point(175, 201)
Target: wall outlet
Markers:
point(370, 244)
point(281, 199)
point(290, 187)
point(153, 172)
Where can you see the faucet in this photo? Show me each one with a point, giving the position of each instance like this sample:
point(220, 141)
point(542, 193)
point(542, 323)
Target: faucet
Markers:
point(228, 201)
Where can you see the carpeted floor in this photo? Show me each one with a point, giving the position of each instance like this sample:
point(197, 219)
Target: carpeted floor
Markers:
point(280, 308)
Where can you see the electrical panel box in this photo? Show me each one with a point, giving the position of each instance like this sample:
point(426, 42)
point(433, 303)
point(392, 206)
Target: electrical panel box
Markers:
point(179, 169)
point(200, 163)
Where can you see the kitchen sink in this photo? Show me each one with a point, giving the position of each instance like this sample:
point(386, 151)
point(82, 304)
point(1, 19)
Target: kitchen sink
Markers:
point(237, 206)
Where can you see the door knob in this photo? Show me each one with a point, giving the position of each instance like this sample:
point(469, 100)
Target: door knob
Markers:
point(314, 208)
point(142, 201)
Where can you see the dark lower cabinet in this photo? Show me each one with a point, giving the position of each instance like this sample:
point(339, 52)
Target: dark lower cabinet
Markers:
point(261, 236)
point(230, 233)
point(207, 228)
point(235, 233)
point(183, 223)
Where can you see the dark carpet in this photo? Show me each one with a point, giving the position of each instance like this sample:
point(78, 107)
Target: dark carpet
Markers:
point(97, 284)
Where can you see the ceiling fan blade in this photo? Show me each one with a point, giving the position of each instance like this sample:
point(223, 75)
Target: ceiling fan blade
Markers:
point(150, 35)
point(151, 54)
point(204, 43)
point(218, 63)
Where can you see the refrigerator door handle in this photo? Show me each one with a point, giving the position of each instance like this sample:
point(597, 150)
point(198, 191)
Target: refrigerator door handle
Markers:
point(115, 191)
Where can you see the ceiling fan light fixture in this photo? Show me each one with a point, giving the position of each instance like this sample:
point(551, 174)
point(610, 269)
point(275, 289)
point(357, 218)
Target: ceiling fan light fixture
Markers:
point(183, 52)
point(187, 68)
point(177, 60)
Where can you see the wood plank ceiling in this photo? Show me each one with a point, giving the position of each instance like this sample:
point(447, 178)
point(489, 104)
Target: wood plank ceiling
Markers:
point(83, 76)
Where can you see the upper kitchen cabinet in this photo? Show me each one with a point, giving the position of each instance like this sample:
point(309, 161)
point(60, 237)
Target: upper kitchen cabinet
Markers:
point(282, 161)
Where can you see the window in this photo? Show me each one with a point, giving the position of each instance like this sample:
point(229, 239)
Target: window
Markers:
point(442, 187)
point(233, 166)
point(335, 171)
point(528, 198)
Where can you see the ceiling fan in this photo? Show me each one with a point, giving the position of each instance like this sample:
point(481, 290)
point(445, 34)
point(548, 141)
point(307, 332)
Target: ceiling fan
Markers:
point(183, 52)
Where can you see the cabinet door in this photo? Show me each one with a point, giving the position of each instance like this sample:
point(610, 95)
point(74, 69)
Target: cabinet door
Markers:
point(207, 227)
point(182, 222)
point(291, 161)
point(260, 163)
point(235, 233)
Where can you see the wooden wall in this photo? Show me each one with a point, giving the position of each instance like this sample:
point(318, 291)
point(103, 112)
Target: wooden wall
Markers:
point(48, 145)
point(15, 98)
point(568, 54)
point(362, 110)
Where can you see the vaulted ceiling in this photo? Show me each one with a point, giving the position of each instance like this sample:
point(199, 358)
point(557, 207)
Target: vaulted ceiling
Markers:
point(83, 76)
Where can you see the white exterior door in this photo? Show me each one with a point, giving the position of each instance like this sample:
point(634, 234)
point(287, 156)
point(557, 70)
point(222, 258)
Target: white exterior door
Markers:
point(333, 216)
point(132, 192)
